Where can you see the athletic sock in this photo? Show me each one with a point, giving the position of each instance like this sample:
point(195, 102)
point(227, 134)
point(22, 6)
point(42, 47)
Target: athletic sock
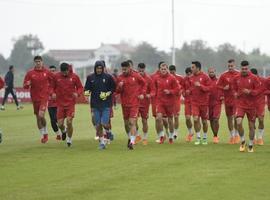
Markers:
point(132, 138)
point(232, 133)
point(145, 136)
point(161, 134)
point(198, 134)
point(204, 135)
point(190, 131)
point(260, 134)
point(171, 135)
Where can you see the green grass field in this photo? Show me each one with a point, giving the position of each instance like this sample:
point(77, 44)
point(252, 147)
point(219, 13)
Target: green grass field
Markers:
point(31, 170)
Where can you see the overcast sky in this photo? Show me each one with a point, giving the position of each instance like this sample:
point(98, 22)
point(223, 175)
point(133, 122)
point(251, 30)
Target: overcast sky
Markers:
point(84, 24)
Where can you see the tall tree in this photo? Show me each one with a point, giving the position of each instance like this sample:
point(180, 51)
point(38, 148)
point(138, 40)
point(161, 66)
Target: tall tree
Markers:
point(25, 47)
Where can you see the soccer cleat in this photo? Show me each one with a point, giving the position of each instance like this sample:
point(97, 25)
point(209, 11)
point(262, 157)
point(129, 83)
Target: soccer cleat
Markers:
point(175, 136)
point(69, 144)
point(231, 141)
point(204, 141)
point(260, 142)
point(64, 135)
point(138, 139)
point(250, 149)
point(161, 139)
point(19, 107)
point(170, 141)
point(236, 139)
point(58, 137)
point(189, 137)
point(145, 142)
point(255, 141)
point(198, 141)
point(130, 145)
point(215, 140)
point(102, 146)
point(44, 139)
point(242, 147)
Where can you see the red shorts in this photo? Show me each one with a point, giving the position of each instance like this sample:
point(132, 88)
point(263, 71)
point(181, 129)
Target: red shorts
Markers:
point(251, 113)
point(188, 110)
point(65, 111)
point(214, 111)
point(177, 108)
point(165, 110)
point(130, 112)
point(144, 112)
point(40, 106)
point(230, 110)
point(260, 110)
point(200, 111)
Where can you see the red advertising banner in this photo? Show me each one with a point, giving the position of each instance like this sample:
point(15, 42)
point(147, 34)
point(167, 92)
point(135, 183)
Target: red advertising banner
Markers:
point(23, 95)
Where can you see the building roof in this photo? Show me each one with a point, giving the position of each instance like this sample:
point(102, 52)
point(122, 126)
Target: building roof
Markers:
point(72, 54)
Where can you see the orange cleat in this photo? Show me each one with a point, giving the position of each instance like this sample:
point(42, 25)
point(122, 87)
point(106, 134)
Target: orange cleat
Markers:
point(145, 142)
point(237, 139)
point(242, 147)
point(231, 141)
point(260, 142)
point(189, 137)
point(215, 140)
point(138, 139)
point(255, 141)
point(58, 137)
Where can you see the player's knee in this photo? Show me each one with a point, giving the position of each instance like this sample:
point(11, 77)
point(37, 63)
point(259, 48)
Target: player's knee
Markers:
point(239, 121)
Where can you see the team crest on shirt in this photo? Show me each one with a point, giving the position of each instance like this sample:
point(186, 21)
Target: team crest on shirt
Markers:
point(103, 80)
point(167, 80)
point(200, 79)
point(249, 81)
point(133, 79)
point(44, 74)
point(70, 79)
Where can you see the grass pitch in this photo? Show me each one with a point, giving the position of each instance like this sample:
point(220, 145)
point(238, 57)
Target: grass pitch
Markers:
point(31, 170)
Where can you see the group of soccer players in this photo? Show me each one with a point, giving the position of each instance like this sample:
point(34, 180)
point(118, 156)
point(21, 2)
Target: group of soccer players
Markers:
point(243, 93)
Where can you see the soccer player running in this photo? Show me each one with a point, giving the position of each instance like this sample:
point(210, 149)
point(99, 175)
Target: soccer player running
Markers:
point(199, 89)
point(132, 88)
point(101, 86)
point(38, 80)
point(145, 102)
point(225, 83)
point(246, 88)
point(9, 83)
point(177, 100)
point(260, 107)
point(187, 100)
point(52, 109)
point(215, 101)
point(154, 106)
point(165, 87)
point(67, 87)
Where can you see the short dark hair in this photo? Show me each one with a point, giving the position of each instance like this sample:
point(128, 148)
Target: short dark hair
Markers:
point(104, 63)
point(197, 64)
point(254, 71)
point(37, 58)
point(188, 70)
point(231, 60)
point(64, 67)
point(52, 67)
point(11, 67)
point(172, 68)
point(125, 64)
point(130, 62)
point(244, 63)
point(160, 63)
point(141, 65)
